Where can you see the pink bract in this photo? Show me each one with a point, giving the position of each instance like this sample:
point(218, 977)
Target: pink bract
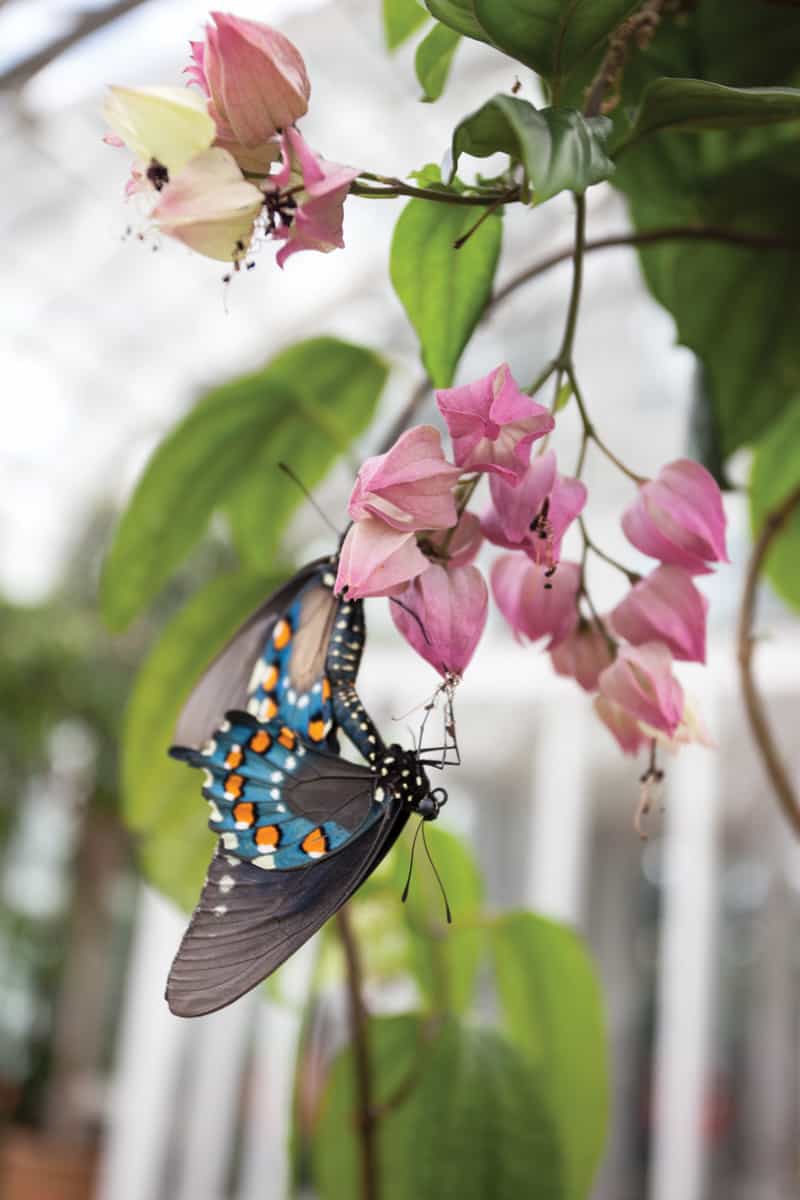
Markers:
point(640, 680)
point(316, 222)
point(665, 607)
point(493, 424)
point(542, 498)
point(583, 655)
point(411, 486)
point(460, 545)
point(376, 560)
point(624, 728)
point(442, 614)
point(534, 603)
point(678, 518)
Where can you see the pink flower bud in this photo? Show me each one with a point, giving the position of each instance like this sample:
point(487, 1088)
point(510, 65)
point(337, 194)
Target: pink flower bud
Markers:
point(583, 655)
point(640, 680)
point(409, 487)
point(535, 602)
point(624, 728)
point(319, 188)
point(665, 607)
point(210, 207)
point(460, 545)
point(534, 515)
point(442, 614)
point(376, 560)
point(678, 518)
point(493, 424)
point(255, 77)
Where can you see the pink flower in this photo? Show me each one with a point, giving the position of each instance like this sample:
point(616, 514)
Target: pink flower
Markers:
point(442, 614)
point(583, 655)
point(535, 603)
point(210, 207)
point(254, 76)
point(459, 546)
point(493, 424)
point(678, 518)
point(640, 680)
point(376, 560)
point(534, 514)
point(665, 607)
point(309, 198)
point(624, 728)
point(411, 486)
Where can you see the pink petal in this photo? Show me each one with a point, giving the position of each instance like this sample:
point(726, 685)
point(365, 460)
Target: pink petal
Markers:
point(449, 608)
point(532, 608)
point(375, 560)
point(678, 518)
point(621, 725)
point(317, 223)
point(665, 607)
point(463, 542)
point(411, 486)
point(641, 681)
point(583, 655)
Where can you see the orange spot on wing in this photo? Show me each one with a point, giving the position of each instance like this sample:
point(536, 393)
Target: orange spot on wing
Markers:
point(269, 707)
point(326, 688)
point(282, 634)
point(270, 677)
point(260, 741)
point(315, 843)
point(234, 786)
point(268, 837)
point(316, 729)
point(234, 758)
point(244, 813)
point(287, 737)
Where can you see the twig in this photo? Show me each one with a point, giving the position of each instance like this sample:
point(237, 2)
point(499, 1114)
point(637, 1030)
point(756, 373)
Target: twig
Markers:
point(367, 1128)
point(762, 733)
point(396, 187)
point(639, 27)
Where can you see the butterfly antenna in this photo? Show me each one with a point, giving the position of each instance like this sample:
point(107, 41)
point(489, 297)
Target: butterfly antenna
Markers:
point(287, 470)
point(404, 896)
point(447, 911)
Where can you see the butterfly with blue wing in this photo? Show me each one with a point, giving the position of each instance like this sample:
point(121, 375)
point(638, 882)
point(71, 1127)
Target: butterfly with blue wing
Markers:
point(299, 827)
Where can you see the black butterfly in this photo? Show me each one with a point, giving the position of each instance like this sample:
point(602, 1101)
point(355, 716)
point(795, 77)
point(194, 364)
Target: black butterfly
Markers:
point(300, 828)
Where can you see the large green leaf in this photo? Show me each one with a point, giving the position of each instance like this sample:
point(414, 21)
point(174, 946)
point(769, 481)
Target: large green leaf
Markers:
point(775, 474)
point(458, 15)
point(305, 406)
point(552, 1009)
point(697, 104)
point(465, 1119)
point(560, 149)
point(400, 19)
point(433, 59)
point(552, 36)
point(444, 290)
point(161, 798)
point(338, 385)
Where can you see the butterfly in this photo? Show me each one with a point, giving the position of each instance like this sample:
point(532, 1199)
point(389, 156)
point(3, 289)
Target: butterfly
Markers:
point(300, 828)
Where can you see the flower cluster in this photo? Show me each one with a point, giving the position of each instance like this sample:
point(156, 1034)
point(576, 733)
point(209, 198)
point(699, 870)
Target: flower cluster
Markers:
point(414, 540)
point(222, 161)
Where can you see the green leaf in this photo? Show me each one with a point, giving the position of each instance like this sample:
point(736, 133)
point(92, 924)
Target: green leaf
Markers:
point(161, 799)
point(400, 19)
point(337, 386)
point(433, 59)
point(697, 104)
point(775, 474)
point(458, 15)
point(443, 290)
point(560, 149)
point(464, 1120)
point(552, 1009)
point(551, 36)
point(304, 406)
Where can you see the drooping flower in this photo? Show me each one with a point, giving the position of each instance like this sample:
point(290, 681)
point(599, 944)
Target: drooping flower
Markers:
point(623, 727)
point(691, 730)
point(163, 126)
point(254, 77)
point(678, 518)
point(535, 602)
point(411, 486)
point(665, 607)
point(583, 655)
point(376, 560)
point(459, 546)
point(442, 614)
point(309, 195)
point(493, 424)
point(210, 207)
point(534, 515)
point(640, 680)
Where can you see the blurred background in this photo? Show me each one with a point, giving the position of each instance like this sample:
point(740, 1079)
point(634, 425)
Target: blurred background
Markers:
point(106, 341)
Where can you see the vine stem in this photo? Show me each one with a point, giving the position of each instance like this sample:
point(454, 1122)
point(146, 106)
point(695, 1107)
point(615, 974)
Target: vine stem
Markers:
point(390, 188)
point(756, 712)
point(366, 1122)
point(592, 435)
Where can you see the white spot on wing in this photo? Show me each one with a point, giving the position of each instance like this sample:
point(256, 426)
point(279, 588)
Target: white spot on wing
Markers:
point(219, 910)
point(226, 884)
point(265, 861)
point(230, 841)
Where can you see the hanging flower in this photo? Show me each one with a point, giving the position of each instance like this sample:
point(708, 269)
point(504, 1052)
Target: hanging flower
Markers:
point(411, 486)
point(306, 199)
point(535, 602)
point(210, 207)
point(442, 614)
point(376, 560)
point(534, 514)
point(163, 126)
point(493, 424)
point(665, 607)
point(640, 680)
point(583, 655)
point(624, 728)
point(459, 546)
point(678, 518)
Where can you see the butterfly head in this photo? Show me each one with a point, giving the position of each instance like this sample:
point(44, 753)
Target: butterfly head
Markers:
point(402, 771)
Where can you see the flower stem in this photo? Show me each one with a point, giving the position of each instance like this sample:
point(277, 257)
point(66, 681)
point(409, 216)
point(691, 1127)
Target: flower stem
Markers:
point(391, 188)
point(590, 433)
point(632, 576)
point(563, 359)
point(366, 1123)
